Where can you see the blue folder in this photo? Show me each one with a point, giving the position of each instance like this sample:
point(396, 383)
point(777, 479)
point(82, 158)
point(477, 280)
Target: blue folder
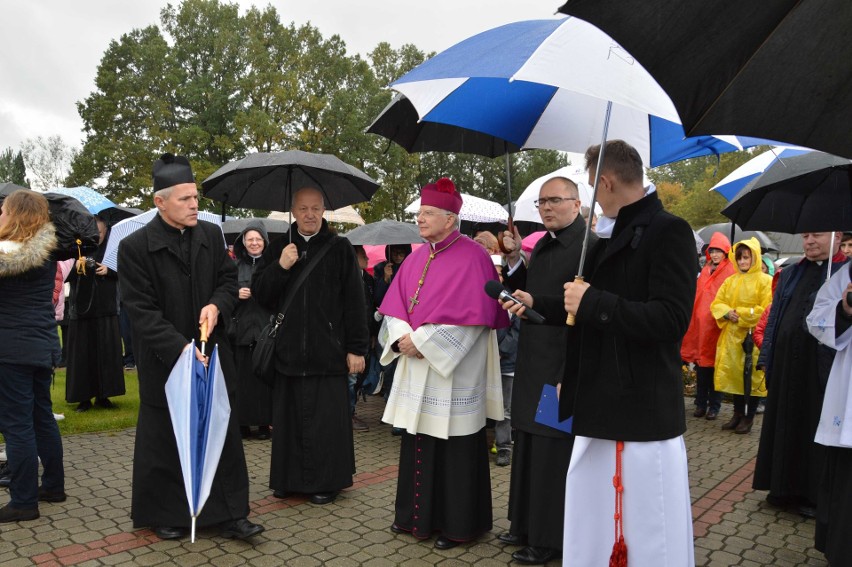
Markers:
point(547, 412)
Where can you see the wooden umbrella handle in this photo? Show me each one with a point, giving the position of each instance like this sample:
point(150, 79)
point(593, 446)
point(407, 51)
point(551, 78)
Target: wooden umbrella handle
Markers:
point(204, 332)
point(511, 229)
point(571, 319)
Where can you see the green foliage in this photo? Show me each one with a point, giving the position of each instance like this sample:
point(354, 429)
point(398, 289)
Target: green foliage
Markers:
point(215, 85)
point(12, 169)
point(684, 186)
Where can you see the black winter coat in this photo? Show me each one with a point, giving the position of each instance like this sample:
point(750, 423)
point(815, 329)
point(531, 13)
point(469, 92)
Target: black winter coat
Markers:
point(164, 296)
point(627, 384)
point(327, 317)
point(249, 317)
point(542, 348)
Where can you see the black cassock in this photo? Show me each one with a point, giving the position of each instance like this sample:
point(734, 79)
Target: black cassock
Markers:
point(166, 278)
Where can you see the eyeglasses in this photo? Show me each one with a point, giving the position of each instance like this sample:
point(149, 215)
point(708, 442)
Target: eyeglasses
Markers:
point(554, 201)
point(430, 214)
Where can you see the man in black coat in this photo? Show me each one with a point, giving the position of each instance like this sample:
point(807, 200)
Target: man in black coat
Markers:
point(542, 453)
point(323, 339)
point(175, 273)
point(625, 391)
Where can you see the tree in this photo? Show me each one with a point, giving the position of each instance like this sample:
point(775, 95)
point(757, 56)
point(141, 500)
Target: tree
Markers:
point(12, 168)
point(47, 161)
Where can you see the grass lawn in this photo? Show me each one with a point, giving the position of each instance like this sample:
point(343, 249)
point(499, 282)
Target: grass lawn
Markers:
point(96, 419)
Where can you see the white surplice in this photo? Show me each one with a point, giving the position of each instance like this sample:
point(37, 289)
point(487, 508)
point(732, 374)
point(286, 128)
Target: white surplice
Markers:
point(456, 385)
point(656, 506)
point(835, 422)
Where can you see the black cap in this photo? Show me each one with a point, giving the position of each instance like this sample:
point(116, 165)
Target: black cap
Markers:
point(171, 170)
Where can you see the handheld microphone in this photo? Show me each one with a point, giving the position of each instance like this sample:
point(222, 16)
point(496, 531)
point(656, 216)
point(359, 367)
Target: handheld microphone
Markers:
point(495, 290)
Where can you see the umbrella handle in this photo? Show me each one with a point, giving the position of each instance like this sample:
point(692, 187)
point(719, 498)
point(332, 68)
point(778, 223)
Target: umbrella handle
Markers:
point(203, 336)
point(571, 320)
point(511, 229)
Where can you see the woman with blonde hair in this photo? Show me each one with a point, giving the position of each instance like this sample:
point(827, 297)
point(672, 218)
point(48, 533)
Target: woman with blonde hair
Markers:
point(29, 350)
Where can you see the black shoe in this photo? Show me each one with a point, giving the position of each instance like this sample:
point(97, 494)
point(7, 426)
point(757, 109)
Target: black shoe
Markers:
point(777, 501)
point(104, 403)
point(9, 514)
point(699, 412)
point(323, 497)
point(5, 475)
point(504, 457)
point(282, 494)
point(241, 529)
point(263, 432)
point(84, 406)
point(397, 431)
point(445, 543)
point(712, 414)
point(511, 539)
point(164, 532)
point(807, 510)
point(398, 530)
point(45, 496)
point(535, 555)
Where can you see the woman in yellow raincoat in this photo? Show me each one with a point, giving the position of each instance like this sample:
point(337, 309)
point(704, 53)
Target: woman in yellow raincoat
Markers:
point(737, 308)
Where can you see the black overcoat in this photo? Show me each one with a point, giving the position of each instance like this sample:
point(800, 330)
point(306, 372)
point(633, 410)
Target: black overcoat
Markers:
point(627, 384)
point(542, 348)
point(163, 296)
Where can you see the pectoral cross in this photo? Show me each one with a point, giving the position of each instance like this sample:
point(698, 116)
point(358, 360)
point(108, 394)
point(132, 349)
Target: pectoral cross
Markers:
point(412, 301)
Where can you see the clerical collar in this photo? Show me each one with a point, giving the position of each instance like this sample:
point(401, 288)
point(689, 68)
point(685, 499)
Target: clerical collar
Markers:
point(307, 237)
point(169, 228)
point(556, 233)
point(445, 243)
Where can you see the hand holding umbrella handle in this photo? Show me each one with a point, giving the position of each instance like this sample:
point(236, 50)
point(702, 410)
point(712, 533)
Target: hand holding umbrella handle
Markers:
point(203, 337)
point(500, 243)
point(571, 319)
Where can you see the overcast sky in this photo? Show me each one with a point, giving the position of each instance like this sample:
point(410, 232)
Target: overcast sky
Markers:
point(52, 47)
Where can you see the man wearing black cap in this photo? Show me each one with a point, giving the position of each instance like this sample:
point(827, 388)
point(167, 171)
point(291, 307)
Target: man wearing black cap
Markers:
point(175, 273)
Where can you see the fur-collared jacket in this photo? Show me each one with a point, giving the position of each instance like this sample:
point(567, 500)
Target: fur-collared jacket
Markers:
point(27, 324)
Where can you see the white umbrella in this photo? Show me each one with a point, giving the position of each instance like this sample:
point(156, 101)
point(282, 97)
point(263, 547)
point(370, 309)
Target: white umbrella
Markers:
point(473, 209)
point(200, 410)
point(345, 215)
point(130, 225)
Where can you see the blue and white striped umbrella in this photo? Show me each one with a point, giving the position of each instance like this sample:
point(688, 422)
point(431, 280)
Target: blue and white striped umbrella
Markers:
point(735, 181)
point(130, 225)
point(546, 84)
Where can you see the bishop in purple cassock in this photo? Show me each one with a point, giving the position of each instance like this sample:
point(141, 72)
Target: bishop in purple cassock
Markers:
point(441, 325)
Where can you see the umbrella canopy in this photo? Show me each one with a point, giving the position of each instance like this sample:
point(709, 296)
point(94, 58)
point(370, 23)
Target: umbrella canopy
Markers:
point(810, 192)
point(525, 209)
point(72, 221)
point(546, 84)
point(269, 180)
point(233, 227)
point(778, 70)
point(385, 232)
point(400, 123)
point(97, 204)
point(128, 226)
point(200, 410)
point(344, 215)
point(473, 209)
point(736, 181)
point(767, 244)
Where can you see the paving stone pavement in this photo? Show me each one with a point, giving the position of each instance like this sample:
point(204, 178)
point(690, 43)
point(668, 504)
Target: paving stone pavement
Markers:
point(733, 524)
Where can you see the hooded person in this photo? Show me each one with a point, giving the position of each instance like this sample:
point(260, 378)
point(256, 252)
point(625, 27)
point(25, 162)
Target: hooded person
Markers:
point(383, 272)
point(441, 326)
point(699, 343)
point(737, 308)
point(175, 275)
point(254, 396)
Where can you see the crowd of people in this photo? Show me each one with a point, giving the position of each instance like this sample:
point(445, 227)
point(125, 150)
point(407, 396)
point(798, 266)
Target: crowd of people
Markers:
point(451, 360)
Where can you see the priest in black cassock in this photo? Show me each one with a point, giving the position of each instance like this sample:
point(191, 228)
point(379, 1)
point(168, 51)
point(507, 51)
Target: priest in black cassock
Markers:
point(542, 453)
point(789, 462)
point(175, 273)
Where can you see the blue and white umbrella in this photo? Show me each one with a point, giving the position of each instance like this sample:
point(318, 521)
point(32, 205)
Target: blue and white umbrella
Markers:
point(735, 181)
point(200, 410)
point(98, 204)
point(546, 84)
point(130, 225)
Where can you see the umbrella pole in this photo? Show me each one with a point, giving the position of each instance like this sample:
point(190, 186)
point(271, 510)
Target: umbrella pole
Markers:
point(570, 319)
point(510, 225)
point(192, 536)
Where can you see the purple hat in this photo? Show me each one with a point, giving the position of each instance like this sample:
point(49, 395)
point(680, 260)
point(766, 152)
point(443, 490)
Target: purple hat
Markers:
point(442, 194)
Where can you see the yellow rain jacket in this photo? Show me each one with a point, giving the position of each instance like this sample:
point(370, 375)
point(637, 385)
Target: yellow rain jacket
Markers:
point(748, 294)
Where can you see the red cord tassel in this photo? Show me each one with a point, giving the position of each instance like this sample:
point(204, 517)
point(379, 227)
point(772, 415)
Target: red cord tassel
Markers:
point(618, 558)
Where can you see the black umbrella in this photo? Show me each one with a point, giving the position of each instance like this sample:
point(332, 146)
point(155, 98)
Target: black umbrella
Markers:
point(233, 227)
point(748, 349)
point(777, 70)
point(118, 213)
point(385, 232)
point(767, 244)
point(269, 180)
point(810, 192)
point(76, 228)
point(400, 123)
